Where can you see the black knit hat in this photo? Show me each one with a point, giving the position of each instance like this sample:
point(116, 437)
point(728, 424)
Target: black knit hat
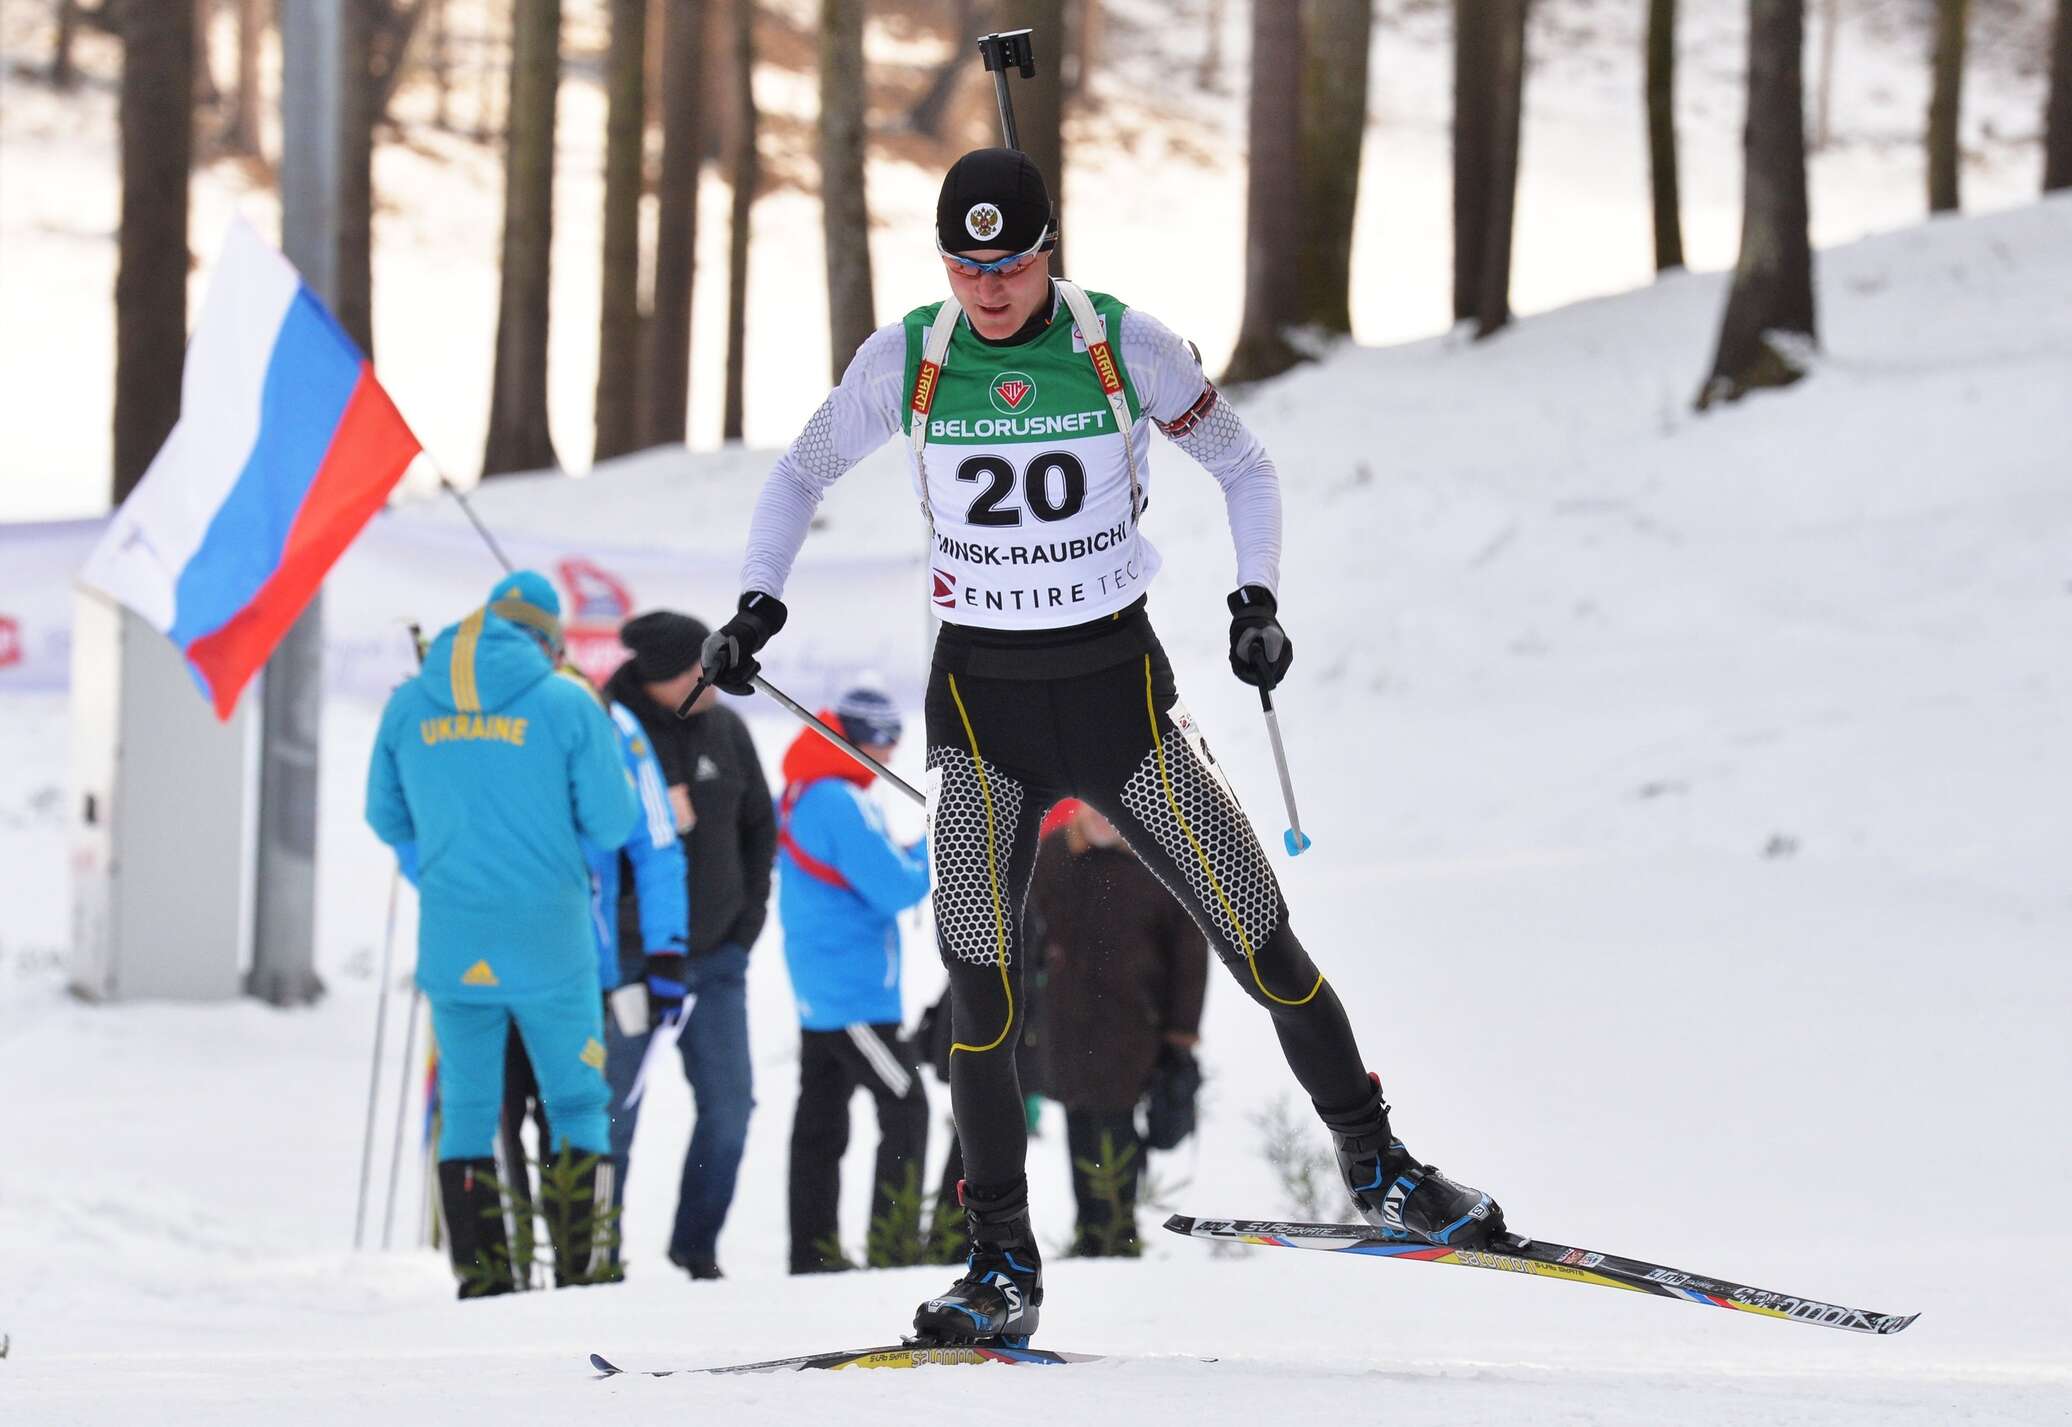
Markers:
point(664, 643)
point(992, 198)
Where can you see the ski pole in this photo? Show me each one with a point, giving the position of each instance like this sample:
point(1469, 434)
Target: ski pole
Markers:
point(388, 1213)
point(381, 1000)
point(1007, 48)
point(806, 716)
point(1294, 838)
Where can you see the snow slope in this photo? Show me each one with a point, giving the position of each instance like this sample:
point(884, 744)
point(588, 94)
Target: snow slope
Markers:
point(1689, 797)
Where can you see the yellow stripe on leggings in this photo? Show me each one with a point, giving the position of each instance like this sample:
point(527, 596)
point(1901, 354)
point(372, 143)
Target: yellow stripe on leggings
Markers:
point(1229, 912)
point(993, 875)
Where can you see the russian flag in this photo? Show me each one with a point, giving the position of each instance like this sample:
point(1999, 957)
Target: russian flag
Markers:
point(285, 448)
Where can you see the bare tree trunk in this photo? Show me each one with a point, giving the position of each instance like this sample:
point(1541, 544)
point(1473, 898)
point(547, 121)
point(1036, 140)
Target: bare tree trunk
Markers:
point(241, 136)
point(845, 210)
point(1039, 103)
point(1946, 106)
point(1661, 86)
point(205, 90)
point(747, 172)
point(1493, 308)
point(926, 116)
point(518, 436)
point(393, 26)
point(157, 124)
point(1475, 25)
point(665, 393)
point(62, 75)
point(2057, 122)
point(441, 60)
point(1273, 193)
point(1771, 302)
point(1210, 76)
point(489, 124)
point(618, 327)
point(1824, 101)
point(1336, 37)
point(354, 306)
point(1086, 46)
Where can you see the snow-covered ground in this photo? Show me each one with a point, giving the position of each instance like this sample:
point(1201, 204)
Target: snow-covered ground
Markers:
point(1689, 797)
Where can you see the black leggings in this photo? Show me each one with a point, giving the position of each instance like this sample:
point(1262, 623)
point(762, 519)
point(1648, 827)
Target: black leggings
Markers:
point(1001, 750)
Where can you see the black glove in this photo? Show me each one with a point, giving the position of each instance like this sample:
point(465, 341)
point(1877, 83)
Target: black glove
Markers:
point(666, 986)
point(729, 652)
point(1260, 650)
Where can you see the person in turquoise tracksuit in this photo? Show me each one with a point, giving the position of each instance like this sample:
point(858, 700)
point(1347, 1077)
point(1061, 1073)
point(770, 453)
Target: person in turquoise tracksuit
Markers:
point(491, 773)
point(654, 855)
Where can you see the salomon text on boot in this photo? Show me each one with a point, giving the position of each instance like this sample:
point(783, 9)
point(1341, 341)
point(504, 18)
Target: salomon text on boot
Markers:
point(997, 1298)
point(1400, 1196)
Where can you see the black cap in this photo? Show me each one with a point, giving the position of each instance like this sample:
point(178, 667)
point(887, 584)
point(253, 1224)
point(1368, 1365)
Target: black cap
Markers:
point(992, 198)
point(664, 643)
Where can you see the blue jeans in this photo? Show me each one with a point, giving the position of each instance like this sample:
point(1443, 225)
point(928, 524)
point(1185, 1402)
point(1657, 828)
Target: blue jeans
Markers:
point(715, 1061)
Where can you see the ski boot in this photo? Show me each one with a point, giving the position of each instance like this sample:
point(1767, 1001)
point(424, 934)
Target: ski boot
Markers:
point(1400, 1197)
point(997, 1299)
point(471, 1206)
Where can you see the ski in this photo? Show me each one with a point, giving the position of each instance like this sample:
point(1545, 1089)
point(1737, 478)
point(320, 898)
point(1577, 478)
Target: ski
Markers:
point(898, 1355)
point(1513, 1254)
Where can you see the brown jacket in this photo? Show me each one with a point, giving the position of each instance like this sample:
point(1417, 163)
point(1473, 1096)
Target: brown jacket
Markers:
point(1119, 965)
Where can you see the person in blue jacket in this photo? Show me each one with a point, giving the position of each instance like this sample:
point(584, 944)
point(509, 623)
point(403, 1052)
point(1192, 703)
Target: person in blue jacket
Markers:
point(842, 883)
point(655, 854)
point(489, 773)
point(639, 996)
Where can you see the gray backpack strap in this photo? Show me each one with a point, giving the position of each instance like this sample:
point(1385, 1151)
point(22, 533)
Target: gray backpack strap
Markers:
point(934, 352)
point(1109, 374)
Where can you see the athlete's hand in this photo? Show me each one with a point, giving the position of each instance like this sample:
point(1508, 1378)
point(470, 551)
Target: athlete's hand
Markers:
point(666, 985)
point(1260, 650)
point(729, 651)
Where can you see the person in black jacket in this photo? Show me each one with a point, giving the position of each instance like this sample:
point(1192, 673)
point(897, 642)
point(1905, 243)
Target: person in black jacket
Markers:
point(1121, 969)
point(715, 775)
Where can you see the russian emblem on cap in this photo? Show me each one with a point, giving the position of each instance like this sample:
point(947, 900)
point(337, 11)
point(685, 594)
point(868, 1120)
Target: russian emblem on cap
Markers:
point(982, 221)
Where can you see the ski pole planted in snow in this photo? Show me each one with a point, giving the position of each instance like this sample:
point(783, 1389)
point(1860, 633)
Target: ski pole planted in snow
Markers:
point(1294, 839)
point(1000, 51)
point(381, 1000)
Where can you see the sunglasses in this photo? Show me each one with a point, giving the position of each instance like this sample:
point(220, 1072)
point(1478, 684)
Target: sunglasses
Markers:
point(1002, 267)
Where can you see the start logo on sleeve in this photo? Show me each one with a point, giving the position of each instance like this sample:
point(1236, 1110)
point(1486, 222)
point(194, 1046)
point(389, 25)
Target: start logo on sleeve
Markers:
point(10, 641)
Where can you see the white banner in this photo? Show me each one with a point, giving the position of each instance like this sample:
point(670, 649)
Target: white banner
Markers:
point(403, 570)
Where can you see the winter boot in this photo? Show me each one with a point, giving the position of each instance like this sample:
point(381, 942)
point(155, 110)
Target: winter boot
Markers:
point(576, 1193)
point(1400, 1197)
point(997, 1298)
point(473, 1208)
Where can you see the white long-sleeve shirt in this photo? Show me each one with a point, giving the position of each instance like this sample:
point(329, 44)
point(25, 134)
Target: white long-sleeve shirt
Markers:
point(868, 406)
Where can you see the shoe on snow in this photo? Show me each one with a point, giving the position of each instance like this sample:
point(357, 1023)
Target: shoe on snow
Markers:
point(1002, 1288)
point(1402, 1197)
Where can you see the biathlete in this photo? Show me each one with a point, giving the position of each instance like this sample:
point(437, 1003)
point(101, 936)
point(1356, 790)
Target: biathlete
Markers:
point(1027, 406)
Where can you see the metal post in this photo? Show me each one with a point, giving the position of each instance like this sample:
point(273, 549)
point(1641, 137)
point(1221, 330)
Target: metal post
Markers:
point(313, 83)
